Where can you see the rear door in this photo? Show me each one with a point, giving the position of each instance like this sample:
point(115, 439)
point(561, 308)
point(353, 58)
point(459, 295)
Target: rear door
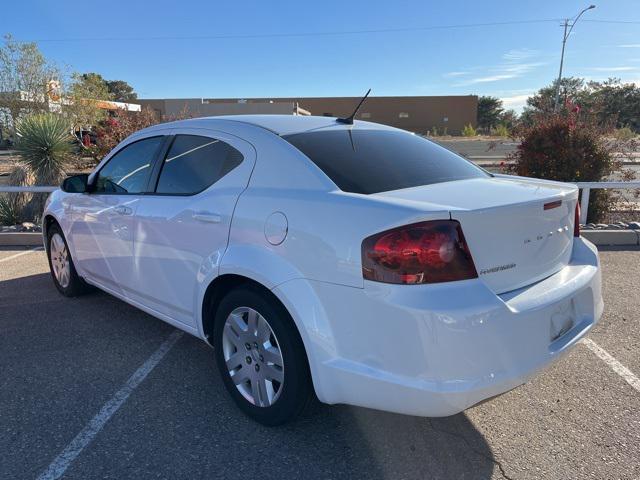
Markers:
point(103, 220)
point(182, 228)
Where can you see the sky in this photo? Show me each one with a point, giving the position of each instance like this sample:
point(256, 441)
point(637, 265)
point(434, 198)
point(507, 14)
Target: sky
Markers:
point(244, 49)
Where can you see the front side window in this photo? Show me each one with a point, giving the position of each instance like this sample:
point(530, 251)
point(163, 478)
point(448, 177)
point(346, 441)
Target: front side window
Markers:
point(128, 171)
point(193, 163)
point(372, 161)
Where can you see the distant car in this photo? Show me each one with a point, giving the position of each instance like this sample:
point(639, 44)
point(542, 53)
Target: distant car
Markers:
point(360, 262)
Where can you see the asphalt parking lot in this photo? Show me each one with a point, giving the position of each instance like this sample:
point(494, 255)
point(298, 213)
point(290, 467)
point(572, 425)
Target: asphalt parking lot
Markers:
point(69, 404)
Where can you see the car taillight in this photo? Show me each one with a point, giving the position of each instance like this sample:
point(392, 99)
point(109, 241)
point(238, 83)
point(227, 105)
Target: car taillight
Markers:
point(425, 252)
point(576, 221)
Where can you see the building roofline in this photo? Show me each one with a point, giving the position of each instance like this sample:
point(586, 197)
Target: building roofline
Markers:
point(372, 97)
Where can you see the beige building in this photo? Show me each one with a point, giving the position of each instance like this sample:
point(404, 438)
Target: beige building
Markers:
point(448, 114)
point(204, 107)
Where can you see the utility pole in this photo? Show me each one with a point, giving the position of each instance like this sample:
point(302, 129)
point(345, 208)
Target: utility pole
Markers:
point(567, 24)
point(564, 42)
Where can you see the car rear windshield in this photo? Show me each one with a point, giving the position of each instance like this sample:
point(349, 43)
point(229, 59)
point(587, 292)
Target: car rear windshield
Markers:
point(372, 161)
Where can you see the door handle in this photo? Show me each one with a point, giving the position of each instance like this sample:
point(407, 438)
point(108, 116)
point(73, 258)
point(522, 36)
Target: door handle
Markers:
point(123, 210)
point(207, 217)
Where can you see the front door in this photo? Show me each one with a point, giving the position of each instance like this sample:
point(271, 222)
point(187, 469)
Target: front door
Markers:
point(103, 220)
point(182, 228)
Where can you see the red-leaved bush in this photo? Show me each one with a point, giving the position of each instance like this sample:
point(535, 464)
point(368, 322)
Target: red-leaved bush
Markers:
point(123, 123)
point(114, 129)
point(568, 148)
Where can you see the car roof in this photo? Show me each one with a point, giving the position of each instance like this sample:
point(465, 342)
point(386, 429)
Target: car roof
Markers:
point(278, 124)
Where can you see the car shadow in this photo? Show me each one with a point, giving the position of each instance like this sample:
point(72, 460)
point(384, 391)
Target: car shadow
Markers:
point(180, 422)
point(328, 441)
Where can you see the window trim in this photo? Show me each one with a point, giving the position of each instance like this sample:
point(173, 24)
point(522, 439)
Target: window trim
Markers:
point(112, 155)
point(157, 171)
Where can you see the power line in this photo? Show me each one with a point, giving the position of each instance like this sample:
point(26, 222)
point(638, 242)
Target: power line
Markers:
point(299, 34)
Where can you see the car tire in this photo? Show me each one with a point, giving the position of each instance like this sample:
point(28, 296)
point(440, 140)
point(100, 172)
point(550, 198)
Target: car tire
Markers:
point(63, 270)
point(253, 332)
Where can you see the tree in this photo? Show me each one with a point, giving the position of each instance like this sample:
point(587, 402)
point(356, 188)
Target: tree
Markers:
point(82, 103)
point(92, 77)
point(617, 102)
point(121, 91)
point(571, 88)
point(489, 112)
point(611, 102)
point(509, 119)
point(25, 80)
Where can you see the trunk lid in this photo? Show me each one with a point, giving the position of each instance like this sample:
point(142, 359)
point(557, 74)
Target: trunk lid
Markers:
point(519, 230)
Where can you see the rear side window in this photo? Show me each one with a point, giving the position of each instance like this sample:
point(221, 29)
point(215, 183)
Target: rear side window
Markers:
point(372, 161)
point(128, 171)
point(193, 163)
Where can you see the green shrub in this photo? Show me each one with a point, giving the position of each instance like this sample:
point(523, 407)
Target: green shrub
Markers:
point(563, 148)
point(469, 131)
point(434, 131)
point(44, 145)
point(10, 211)
point(500, 131)
point(624, 134)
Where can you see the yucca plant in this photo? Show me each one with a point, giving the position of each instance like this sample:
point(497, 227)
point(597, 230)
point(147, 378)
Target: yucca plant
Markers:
point(19, 207)
point(10, 212)
point(44, 144)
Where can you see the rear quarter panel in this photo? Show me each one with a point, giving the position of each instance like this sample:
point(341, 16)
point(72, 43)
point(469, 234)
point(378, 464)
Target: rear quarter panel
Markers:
point(325, 226)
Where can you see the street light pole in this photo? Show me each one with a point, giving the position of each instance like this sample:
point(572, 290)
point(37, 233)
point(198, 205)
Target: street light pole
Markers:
point(565, 36)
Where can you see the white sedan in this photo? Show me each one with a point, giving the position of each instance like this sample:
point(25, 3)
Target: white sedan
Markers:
point(357, 262)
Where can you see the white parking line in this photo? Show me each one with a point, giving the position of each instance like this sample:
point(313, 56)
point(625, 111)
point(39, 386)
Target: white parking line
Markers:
point(84, 438)
point(36, 249)
point(614, 364)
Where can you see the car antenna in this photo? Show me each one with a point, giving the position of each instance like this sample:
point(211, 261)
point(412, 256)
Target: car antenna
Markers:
point(349, 120)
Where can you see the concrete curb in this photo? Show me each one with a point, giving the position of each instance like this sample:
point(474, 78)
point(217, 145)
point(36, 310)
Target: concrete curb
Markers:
point(21, 239)
point(598, 237)
point(612, 237)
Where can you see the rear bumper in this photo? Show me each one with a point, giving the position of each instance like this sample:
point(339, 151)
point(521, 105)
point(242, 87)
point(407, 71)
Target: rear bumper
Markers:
point(435, 350)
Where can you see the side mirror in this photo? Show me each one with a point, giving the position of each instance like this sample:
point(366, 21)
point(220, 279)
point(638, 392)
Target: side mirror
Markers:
point(76, 184)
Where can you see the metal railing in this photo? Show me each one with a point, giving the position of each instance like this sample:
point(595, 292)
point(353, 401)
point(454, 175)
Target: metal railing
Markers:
point(586, 188)
point(42, 189)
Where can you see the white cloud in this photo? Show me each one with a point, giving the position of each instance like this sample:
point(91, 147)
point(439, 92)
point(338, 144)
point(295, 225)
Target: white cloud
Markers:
point(516, 102)
point(515, 63)
point(504, 71)
point(491, 78)
point(517, 54)
point(456, 74)
point(629, 45)
point(521, 68)
point(614, 69)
